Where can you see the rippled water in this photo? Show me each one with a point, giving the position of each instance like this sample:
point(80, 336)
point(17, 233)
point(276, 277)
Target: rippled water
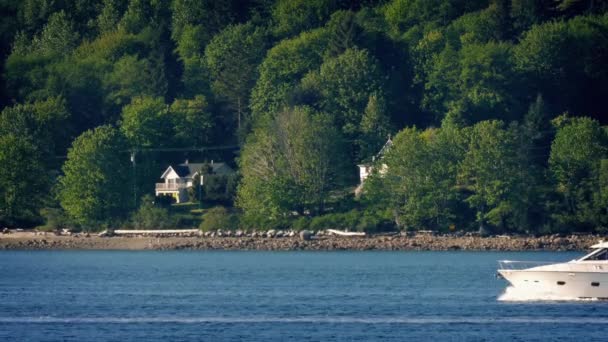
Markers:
point(277, 296)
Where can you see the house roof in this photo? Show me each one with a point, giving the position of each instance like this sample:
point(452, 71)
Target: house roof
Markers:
point(385, 148)
point(380, 154)
point(188, 170)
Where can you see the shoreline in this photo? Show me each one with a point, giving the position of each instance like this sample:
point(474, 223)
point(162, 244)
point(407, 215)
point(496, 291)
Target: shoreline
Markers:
point(420, 242)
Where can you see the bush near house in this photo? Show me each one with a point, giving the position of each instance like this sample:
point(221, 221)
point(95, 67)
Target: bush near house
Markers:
point(219, 218)
point(152, 216)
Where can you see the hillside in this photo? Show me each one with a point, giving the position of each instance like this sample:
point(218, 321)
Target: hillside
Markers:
point(496, 111)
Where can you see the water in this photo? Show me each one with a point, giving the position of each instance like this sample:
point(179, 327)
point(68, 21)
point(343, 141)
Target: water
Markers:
point(278, 296)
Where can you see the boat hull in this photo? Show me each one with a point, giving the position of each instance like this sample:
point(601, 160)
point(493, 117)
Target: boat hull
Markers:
point(563, 284)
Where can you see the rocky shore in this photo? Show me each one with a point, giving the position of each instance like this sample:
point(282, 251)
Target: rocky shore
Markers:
point(313, 242)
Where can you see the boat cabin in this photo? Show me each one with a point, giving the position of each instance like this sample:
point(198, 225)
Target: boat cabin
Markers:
point(599, 253)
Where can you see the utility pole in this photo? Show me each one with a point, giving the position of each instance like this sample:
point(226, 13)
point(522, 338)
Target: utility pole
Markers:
point(134, 180)
point(200, 190)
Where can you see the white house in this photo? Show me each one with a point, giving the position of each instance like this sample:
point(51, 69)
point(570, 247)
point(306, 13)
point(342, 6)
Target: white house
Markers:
point(366, 169)
point(178, 178)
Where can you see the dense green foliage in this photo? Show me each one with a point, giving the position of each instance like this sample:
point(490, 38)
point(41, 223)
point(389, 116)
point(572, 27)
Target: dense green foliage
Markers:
point(497, 110)
point(219, 218)
point(95, 186)
point(152, 216)
point(291, 164)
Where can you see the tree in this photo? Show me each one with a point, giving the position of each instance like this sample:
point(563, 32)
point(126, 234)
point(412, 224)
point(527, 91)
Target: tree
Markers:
point(490, 172)
point(193, 25)
point(96, 185)
point(58, 36)
point(439, 72)
point(210, 16)
point(375, 127)
point(533, 189)
point(232, 58)
point(526, 13)
point(473, 84)
point(295, 16)
point(23, 180)
point(416, 179)
point(33, 14)
point(282, 69)
point(44, 123)
point(406, 15)
point(191, 48)
point(132, 77)
point(290, 165)
point(8, 31)
point(345, 84)
point(344, 31)
point(110, 16)
point(193, 124)
point(577, 152)
point(560, 60)
point(581, 6)
point(487, 87)
point(30, 136)
point(137, 16)
point(477, 27)
point(151, 216)
point(144, 122)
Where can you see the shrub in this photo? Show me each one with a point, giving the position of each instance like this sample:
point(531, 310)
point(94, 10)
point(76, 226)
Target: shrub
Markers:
point(344, 221)
point(55, 218)
point(301, 223)
point(219, 218)
point(375, 222)
point(151, 216)
point(320, 222)
point(259, 221)
point(164, 201)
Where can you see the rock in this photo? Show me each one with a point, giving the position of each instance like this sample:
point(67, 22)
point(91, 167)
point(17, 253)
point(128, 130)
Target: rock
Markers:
point(238, 233)
point(271, 233)
point(279, 234)
point(5, 231)
point(305, 235)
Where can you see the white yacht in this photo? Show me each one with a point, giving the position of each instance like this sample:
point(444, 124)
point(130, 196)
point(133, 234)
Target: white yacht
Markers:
point(583, 278)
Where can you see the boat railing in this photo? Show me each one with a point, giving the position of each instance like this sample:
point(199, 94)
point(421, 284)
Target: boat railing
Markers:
point(521, 265)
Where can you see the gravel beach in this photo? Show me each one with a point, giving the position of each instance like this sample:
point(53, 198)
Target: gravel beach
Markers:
point(33, 240)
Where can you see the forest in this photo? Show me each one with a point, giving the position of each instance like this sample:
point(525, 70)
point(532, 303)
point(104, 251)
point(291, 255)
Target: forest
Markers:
point(496, 110)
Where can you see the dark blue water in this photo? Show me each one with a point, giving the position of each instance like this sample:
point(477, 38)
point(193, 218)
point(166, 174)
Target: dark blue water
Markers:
point(277, 296)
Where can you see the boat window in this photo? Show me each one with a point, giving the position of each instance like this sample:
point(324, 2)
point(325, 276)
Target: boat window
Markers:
point(561, 283)
point(602, 254)
point(595, 283)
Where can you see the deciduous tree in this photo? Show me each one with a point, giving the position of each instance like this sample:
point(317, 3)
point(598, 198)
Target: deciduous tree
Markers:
point(96, 186)
point(291, 165)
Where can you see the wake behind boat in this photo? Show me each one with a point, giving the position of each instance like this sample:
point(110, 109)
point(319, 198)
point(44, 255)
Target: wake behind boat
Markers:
point(582, 278)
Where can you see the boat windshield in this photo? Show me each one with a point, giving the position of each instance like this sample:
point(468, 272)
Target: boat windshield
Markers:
point(600, 254)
